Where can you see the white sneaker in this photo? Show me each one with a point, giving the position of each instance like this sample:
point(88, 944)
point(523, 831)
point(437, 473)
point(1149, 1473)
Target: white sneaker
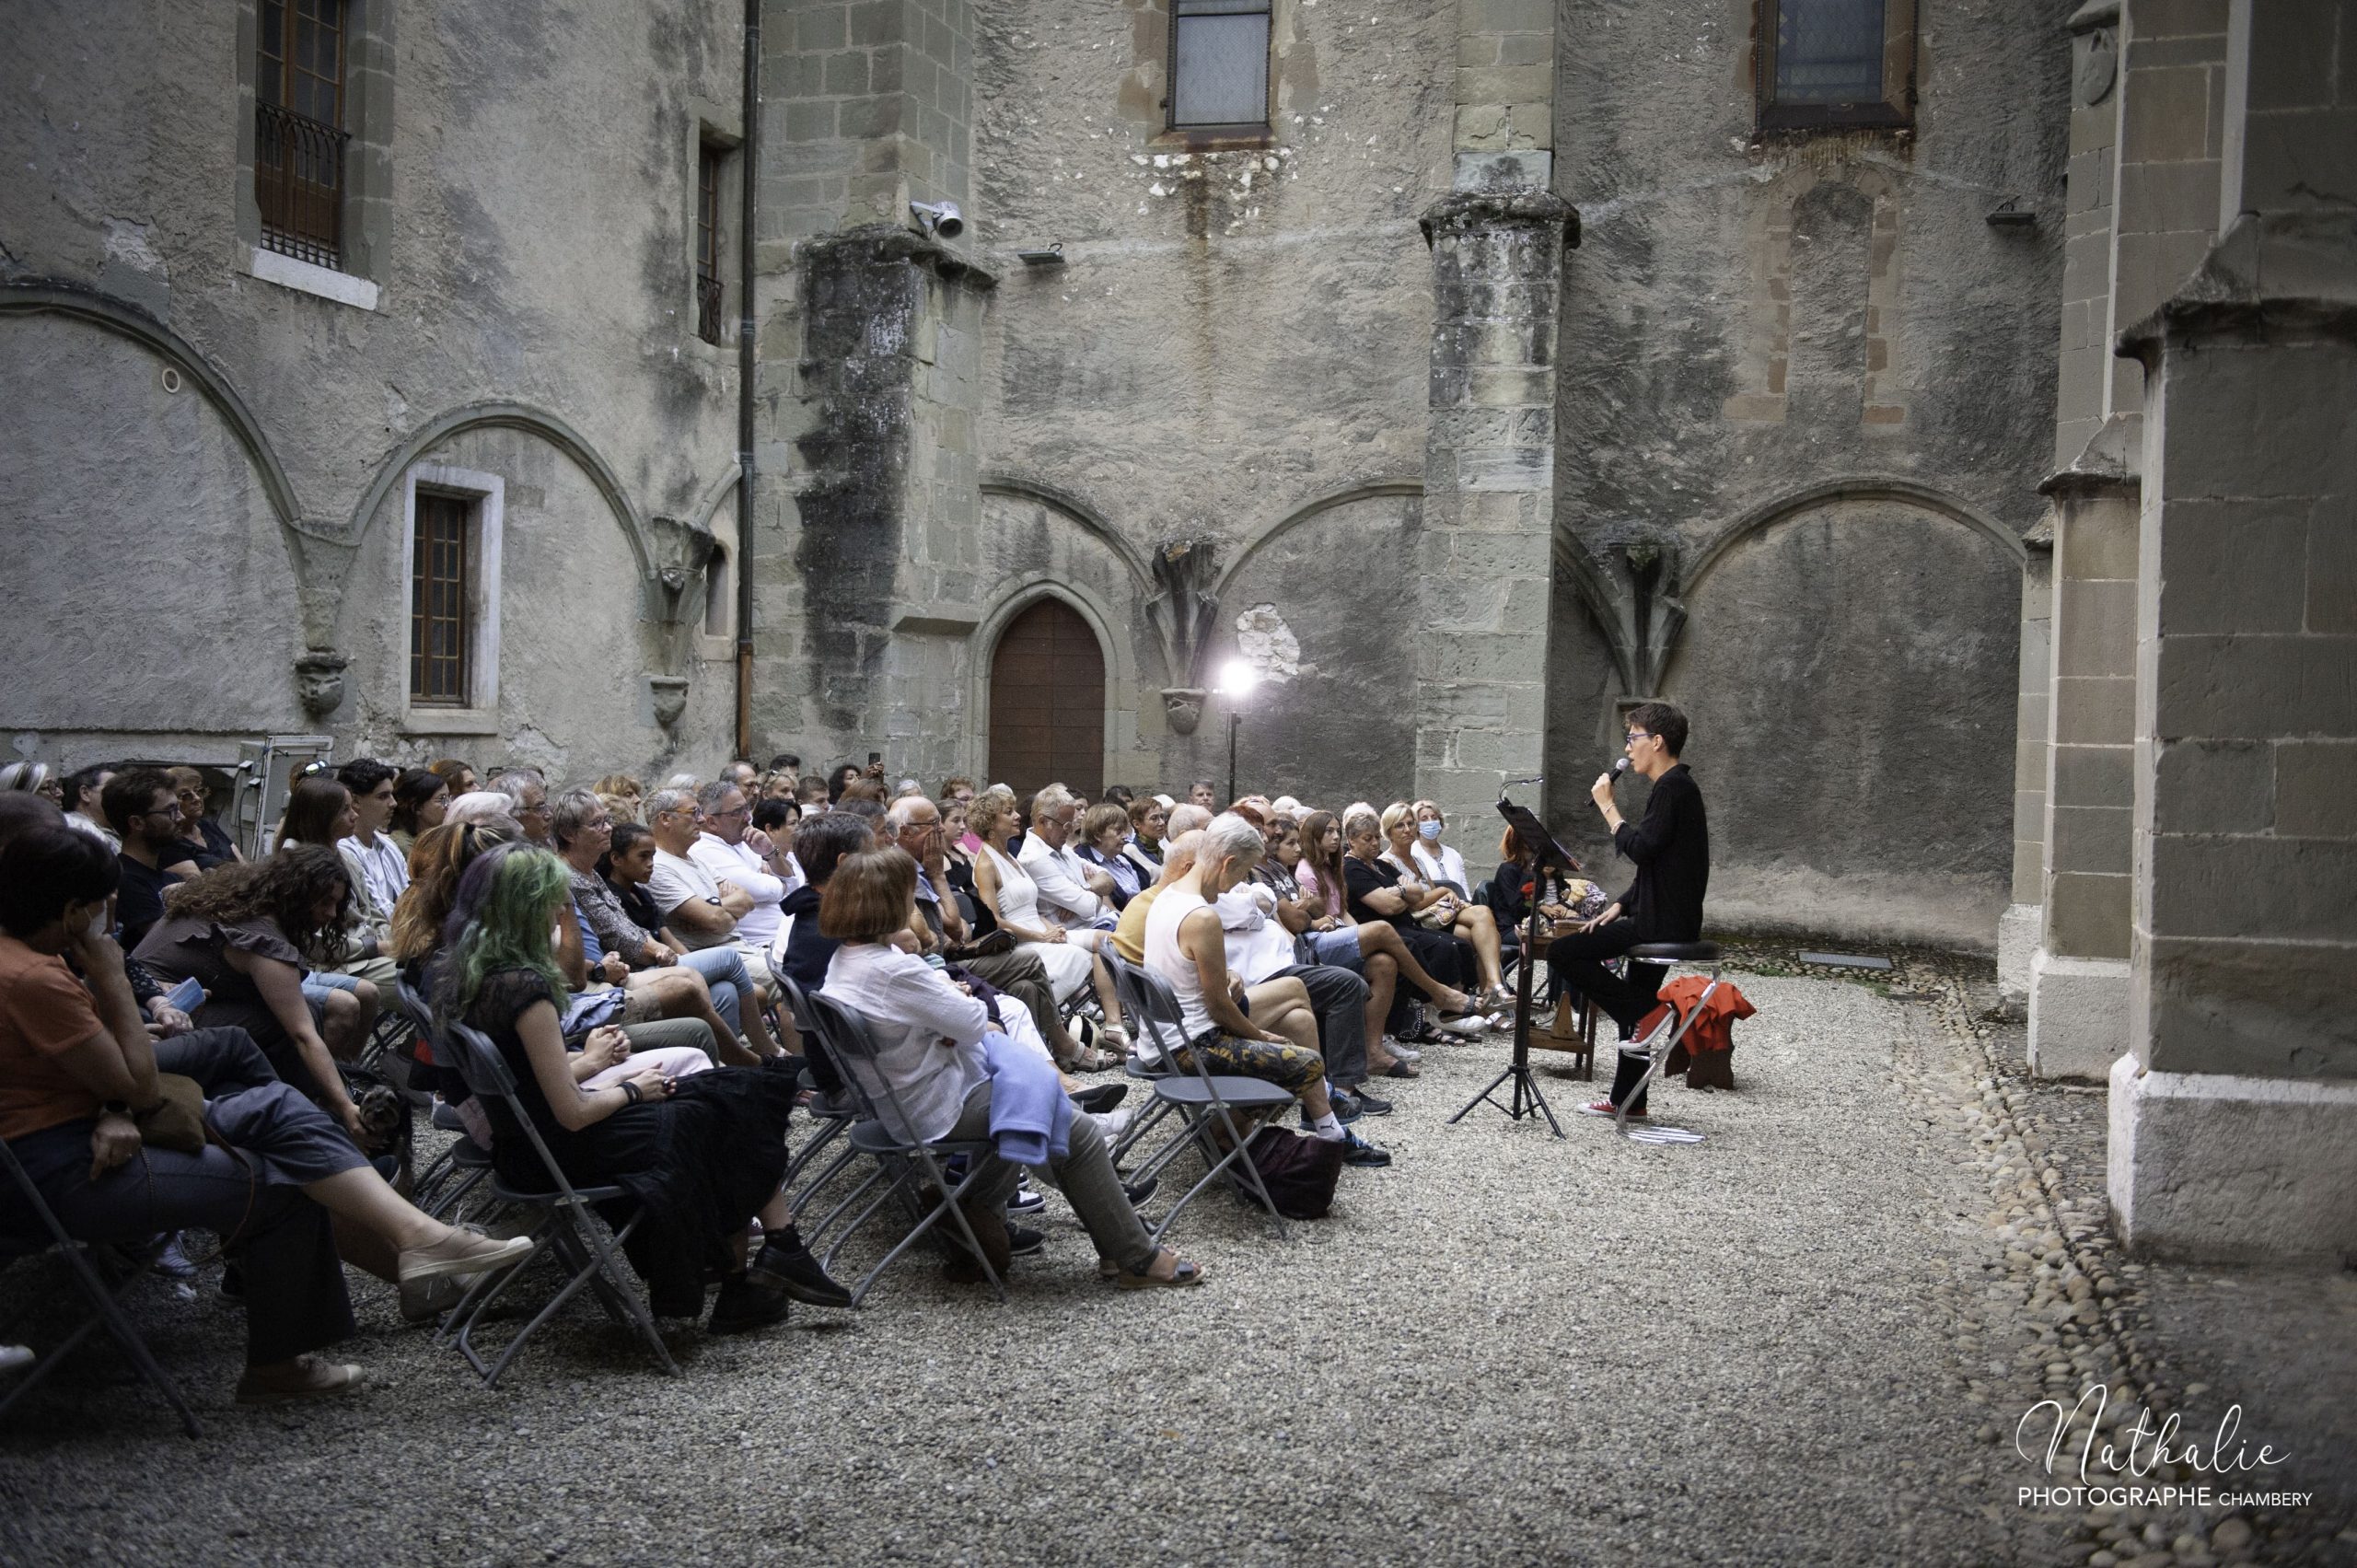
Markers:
point(1399, 1051)
point(1113, 1123)
point(1467, 1028)
point(14, 1356)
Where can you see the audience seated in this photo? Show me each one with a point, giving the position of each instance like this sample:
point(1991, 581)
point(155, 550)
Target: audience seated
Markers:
point(624, 787)
point(145, 816)
point(208, 843)
point(1186, 945)
point(420, 797)
point(1335, 932)
point(1149, 819)
point(731, 850)
point(457, 774)
point(776, 819)
point(33, 778)
point(1203, 793)
point(530, 789)
point(482, 806)
point(1437, 908)
point(1371, 894)
point(913, 1013)
point(800, 950)
point(1104, 838)
point(76, 1066)
point(701, 908)
point(379, 866)
point(703, 1155)
point(1006, 888)
point(320, 811)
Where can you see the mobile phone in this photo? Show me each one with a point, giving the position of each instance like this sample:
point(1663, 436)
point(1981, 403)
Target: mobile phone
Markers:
point(873, 758)
point(187, 996)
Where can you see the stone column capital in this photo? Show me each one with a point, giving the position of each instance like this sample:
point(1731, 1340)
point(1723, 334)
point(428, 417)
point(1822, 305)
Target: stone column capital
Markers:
point(1474, 212)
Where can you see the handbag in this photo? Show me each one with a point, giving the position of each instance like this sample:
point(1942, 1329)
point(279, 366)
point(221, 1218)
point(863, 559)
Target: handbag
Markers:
point(1299, 1172)
point(175, 1122)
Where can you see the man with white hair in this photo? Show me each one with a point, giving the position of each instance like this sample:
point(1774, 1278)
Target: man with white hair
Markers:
point(731, 849)
point(530, 789)
point(482, 806)
point(701, 910)
point(1074, 894)
point(1187, 946)
point(1187, 818)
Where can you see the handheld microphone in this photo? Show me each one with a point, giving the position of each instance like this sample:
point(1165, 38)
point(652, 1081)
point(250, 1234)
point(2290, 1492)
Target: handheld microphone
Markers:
point(1620, 766)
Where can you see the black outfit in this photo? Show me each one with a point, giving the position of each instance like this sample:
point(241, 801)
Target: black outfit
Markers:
point(139, 899)
point(808, 951)
point(1448, 958)
point(702, 1161)
point(1671, 848)
point(212, 847)
point(638, 904)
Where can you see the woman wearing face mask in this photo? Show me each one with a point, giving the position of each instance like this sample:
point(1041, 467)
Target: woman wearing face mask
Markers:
point(1439, 864)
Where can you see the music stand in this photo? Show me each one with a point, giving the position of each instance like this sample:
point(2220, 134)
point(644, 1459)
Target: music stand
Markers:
point(1540, 854)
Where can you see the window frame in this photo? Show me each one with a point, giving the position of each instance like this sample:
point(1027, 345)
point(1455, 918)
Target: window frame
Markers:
point(711, 281)
point(1895, 109)
point(1260, 128)
point(275, 75)
point(485, 495)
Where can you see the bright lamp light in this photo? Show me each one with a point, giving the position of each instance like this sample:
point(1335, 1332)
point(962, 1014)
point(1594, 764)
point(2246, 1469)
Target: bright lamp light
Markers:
point(1238, 678)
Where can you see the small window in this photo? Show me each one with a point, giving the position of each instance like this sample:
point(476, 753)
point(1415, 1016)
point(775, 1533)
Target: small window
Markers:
point(1836, 63)
point(1219, 64)
point(299, 139)
point(441, 608)
point(710, 298)
point(718, 602)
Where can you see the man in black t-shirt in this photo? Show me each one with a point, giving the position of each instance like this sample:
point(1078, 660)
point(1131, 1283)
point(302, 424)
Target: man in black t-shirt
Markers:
point(140, 804)
point(1671, 848)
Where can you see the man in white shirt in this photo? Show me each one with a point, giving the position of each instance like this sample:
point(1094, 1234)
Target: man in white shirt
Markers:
point(375, 860)
point(83, 812)
point(700, 909)
point(1074, 894)
point(728, 848)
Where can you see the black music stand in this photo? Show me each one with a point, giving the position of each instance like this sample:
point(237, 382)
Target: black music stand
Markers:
point(1540, 854)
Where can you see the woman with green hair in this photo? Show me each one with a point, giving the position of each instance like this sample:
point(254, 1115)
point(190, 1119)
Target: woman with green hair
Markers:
point(703, 1155)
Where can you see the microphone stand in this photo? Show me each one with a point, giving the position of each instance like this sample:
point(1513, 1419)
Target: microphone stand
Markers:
point(1525, 1099)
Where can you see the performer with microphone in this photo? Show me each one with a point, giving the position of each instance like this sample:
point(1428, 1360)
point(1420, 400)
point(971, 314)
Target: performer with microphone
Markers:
point(1671, 849)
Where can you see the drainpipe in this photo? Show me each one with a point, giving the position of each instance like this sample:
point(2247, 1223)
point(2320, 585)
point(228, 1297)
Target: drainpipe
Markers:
point(749, 169)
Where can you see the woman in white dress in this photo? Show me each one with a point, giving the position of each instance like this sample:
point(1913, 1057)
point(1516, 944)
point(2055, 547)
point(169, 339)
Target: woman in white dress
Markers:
point(1013, 899)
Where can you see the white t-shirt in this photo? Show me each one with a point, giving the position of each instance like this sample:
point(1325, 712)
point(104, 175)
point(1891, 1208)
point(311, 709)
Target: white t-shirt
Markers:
point(1437, 863)
point(675, 880)
point(742, 866)
point(382, 865)
point(1258, 944)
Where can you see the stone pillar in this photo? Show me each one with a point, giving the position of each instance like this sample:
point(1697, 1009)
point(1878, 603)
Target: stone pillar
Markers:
point(2017, 928)
point(2233, 1120)
point(2078, 1001)
point(1486, 548)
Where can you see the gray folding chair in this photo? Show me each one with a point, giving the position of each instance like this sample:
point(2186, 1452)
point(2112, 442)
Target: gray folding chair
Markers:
point(104, 1296)
point(904, 1167)
point(835, 1119)
point(444, 1185)
point(568, 1229)
point(1203, 1100)
point(1664, 1036)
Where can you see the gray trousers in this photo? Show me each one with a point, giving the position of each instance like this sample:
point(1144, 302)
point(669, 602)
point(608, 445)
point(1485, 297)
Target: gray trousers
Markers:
point(1085, 1175)
point(1338, 998)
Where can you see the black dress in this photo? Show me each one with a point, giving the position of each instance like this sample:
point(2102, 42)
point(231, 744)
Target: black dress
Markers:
point(703, 1162)
point(1447, 956)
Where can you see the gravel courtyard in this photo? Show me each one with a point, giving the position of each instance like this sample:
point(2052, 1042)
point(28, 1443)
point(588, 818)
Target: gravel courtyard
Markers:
point(1804, 1340)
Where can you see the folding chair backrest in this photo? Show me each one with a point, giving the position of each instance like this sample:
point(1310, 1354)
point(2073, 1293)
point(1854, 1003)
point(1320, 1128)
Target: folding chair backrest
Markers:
point(487, 1074)
point(846, 1037)
point(1153, 1001)
point(419, 1011)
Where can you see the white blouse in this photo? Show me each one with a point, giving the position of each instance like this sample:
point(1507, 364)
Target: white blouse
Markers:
point(928, 1034)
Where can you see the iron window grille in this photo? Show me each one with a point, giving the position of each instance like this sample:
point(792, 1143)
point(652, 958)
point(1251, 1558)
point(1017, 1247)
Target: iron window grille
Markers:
point(1219, 64)
point(709, 295)
point(299, 142)
point(440, 614)
point(1836, 63)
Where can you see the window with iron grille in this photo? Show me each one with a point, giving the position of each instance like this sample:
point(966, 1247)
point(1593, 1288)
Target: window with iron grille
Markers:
point(1836, 63)
point(299, 139)
point(710, 297)
point(440, 609)
point(1219, 64)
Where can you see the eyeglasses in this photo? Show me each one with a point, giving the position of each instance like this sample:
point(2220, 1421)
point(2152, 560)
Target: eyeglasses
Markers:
point(597, 824)
point(1636, 734)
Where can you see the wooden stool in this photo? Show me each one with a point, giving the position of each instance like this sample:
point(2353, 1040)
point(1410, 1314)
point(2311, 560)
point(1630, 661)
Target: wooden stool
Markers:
point(1573, 1030)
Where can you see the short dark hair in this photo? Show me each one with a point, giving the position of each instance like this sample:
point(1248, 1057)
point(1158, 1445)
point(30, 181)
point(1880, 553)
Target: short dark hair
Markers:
point(1661, 720)
point(825, 839)
point(45, 869)
point(625, 835)
point(1120, 795)
point(92, 777)
point(868, 895)
point(362, 775)
point(786, 760)
point(127, 794)
point(772, 813)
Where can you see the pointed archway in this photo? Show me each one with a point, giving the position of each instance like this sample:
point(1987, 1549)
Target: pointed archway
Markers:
point(1047, 702)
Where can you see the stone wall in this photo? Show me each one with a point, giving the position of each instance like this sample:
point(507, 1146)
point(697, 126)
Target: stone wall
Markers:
point(205, 472)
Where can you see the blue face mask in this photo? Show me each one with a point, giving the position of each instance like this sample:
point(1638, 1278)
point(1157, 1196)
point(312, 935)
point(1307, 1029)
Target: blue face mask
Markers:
point(1430, 830)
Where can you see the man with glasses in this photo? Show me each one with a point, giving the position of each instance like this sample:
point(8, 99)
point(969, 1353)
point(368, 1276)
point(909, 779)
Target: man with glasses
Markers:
point(1671, 848)
point(1074, 894)
point(731, 850)
point(697, 907)
point(145, 811)
point(529, 790)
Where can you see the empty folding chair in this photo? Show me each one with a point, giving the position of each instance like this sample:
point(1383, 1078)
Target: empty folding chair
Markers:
point(103, 1295)
point(905, 1168)
point(1209, 1103)
point(567, 1229)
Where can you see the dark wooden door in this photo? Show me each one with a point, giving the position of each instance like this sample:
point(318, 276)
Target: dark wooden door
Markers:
point(1048, 702)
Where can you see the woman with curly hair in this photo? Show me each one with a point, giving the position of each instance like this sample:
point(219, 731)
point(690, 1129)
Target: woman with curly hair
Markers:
point(248, 934)
point(703, 1155)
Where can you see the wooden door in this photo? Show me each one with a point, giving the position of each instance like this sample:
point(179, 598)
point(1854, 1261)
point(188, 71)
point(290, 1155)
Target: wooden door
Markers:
point(1048, 702)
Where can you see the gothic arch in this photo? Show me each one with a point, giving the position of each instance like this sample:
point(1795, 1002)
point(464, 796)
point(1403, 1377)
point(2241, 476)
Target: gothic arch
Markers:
point(1866, 488)
point(1082, 515)
point(511, 417)
point(982, 645)
point(127, 321)
point(1300, 514)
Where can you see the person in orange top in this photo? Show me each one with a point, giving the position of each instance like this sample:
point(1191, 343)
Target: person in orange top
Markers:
point(77, 1069)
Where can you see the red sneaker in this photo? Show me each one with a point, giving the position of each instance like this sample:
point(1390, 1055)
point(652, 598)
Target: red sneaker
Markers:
point(1606, 1108)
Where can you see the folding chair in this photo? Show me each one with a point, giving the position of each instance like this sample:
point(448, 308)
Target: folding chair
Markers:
point(1664, 1037)
point(1200, 1098)
point(835, 1118)
point(105, 1299)
point(904, 1167)
point(461, 1168)
point(567, 1230)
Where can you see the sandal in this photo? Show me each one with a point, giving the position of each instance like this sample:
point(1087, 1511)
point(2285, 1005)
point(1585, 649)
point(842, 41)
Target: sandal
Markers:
point(1183, 1273)
point(1397, 1070)
point(1088, 1059)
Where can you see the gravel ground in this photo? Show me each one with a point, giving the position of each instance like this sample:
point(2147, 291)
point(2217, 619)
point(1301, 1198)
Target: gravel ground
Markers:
point(1774, 1347)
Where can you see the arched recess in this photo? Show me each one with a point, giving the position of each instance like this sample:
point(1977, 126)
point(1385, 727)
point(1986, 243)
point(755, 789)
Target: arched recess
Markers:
point(125, 319)
point(1861, 487)
point(512, 416)
point(718, 587)
point(1301, 515)
point(1086, 518)
point(983, 652)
